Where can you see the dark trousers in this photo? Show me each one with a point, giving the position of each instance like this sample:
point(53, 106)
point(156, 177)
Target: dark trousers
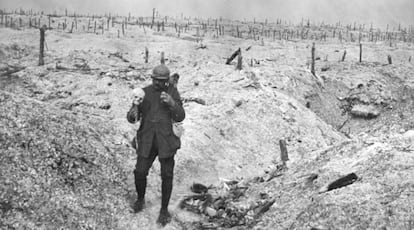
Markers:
point(167, 172)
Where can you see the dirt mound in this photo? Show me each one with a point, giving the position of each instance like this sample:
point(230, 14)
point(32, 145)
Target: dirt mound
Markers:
point(56, 168)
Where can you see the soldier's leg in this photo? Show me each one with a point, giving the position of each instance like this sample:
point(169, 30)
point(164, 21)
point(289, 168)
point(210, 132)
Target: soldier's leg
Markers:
point(141, 172)
point(167, 173)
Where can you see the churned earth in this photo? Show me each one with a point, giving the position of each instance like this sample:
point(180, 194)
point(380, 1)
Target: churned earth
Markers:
point(66, 158)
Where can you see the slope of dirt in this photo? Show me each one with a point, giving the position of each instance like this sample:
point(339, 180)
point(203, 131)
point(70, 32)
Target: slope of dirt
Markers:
point(85, 89)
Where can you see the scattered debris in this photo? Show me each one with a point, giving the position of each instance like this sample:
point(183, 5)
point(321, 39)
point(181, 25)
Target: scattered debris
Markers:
point(118, 55)
point(194, 99)
point(341, 182)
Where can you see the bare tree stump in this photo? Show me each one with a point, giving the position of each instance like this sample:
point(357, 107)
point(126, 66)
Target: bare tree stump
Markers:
point(239, 61)
point(313, 59)
point(283, 152)
point(42, 45)
point(162, 58)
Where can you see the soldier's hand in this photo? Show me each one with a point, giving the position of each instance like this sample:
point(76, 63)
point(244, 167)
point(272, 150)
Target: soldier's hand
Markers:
point(166, 98)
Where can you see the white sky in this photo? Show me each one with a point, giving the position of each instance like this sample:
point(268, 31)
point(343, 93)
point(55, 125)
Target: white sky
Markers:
point(379, 12)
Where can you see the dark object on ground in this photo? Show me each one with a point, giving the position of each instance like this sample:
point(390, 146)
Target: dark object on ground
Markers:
point(164, 218)
point(139, 205)
point(199, 188)
point(196, 203)
point(341, 182)
point(194, 99)
point(263, 208)
point(233, 56)
point(248, 48)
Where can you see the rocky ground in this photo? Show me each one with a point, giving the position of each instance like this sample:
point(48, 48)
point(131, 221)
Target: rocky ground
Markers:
point(66, 159)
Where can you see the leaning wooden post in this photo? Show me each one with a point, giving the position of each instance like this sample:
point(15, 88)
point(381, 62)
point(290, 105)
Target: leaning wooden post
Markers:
point(360, 52)
point(283, 152)
point(389, 59)
point(162, 58)
point(343, 56)
point(313, 59)
point(239, 61)
point(146, 55)
point(42, 44)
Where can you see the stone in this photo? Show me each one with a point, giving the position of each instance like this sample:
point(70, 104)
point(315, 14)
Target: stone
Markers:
point(365, 111)
point(211, 212)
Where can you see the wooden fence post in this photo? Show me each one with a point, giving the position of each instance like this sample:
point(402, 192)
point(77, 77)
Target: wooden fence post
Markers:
point(313, 59)
point(42, 45)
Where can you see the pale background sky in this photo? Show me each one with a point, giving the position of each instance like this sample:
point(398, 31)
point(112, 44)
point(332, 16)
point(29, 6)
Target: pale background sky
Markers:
point(379, 12)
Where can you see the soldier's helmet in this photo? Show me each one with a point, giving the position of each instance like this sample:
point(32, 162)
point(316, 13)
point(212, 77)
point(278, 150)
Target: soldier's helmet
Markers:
point(161, 72)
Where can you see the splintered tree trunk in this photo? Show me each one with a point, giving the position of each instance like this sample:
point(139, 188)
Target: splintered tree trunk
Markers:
point(360, 52)
point(146, 55)
point(389, 59)
point(42, 45)
point(313, 59)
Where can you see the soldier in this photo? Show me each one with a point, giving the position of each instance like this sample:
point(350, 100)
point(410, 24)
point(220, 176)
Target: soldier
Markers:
point(158, 106)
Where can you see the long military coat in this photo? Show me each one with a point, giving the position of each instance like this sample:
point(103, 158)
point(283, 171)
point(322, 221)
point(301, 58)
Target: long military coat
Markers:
point(156, 119)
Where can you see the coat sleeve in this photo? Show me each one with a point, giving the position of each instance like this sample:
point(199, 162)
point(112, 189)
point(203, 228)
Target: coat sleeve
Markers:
point(134, 114)
point(177, 111)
